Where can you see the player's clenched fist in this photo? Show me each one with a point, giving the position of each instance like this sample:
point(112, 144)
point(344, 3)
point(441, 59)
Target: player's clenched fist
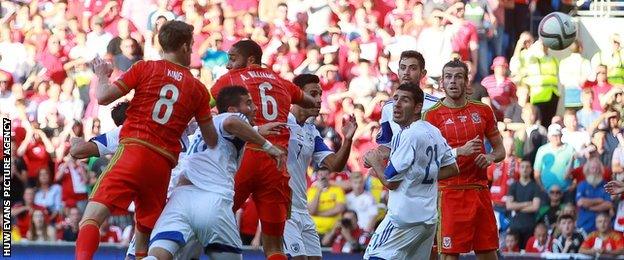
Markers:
point(484, 160)
point(278, 154)
point(471, 147)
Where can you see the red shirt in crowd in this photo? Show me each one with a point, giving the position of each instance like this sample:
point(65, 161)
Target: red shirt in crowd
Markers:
point(614, 241)
point(466, 35)
point(36, 158)
point(73, 184)
point(502, 175)
point(54, 65)
point(24, 219)
point(501, 93)
point(339, 242)
point(579, 176)
point(533, 246)
point(599, 89)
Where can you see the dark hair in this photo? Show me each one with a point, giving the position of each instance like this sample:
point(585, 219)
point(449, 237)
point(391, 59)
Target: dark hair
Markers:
point(174, 34)
point(118, 113)
point(364, 61)
point(415, 90)
point(249, 48)
point(230, 96)
point(514, 234)
point(323, 168)
point(358, 106)
point(304, 79)
point(565, 216)
point(456, 63)
point(414, 54)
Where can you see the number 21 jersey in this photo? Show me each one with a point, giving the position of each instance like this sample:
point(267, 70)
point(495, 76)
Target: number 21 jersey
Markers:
point(166, 97)
point(271, 94)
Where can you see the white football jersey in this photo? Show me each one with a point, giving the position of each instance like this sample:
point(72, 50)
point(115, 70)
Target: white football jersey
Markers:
point(388, 127)
point(107, 142)
point(304, 146)
point(213, 169)
point(417, 154)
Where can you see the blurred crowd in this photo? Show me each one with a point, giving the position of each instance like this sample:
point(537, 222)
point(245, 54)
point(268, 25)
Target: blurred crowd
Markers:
point(561, 117)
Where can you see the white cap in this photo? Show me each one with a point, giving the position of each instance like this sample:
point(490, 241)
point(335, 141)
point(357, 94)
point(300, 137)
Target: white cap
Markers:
point(554, 129)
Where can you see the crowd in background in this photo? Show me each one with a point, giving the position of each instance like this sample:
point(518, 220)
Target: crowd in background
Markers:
point(560, 117)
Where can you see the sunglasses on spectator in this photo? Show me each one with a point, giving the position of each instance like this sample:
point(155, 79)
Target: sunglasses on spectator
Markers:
point(555, 192)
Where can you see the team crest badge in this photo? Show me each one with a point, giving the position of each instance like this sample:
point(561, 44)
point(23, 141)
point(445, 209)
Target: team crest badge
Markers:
point(475, 118)
point(446, 242)
point(295, 247)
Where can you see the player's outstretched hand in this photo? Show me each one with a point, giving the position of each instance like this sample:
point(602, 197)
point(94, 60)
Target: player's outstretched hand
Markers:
point(349, 126)
point(471, 147)
point(102, 68)
point(614, 187)
point(278, 154)
point(483, 160)
point(272, 128)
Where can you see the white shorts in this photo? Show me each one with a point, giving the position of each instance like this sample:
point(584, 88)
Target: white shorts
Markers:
point(391, 242)
point(192, 213)
point(300, 237)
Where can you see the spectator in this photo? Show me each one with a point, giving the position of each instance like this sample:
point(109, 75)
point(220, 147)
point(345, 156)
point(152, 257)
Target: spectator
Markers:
point(577, 70)
point(500, 88)
point(591, 196)
point(363, 87)
point(552, 160)
point(48, 195)
point(587, 115)
point(540, 241)
point(569, 241)
point(40, 229)
point(69, 227)
point(600, 87)
point(543, 80)
point(346, 236)
point(72, 175)
point(434, 42)
point(110, 233)
point(572, 134)
point(503, 174)
point(53, 58)
point(511, 243)
point(98, 39)
point(465, 40)
point(518, 62)
point(36, 150)
point(24, 211)
point(523, 199)
point(548, 213)
point(325, 202)
point(532, 135)
point(128, 56)
point(613, 59)
point(362, 203)
point(603, 241)
point(480, 13)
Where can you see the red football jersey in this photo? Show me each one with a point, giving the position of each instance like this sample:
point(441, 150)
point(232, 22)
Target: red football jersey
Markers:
point(270, 93)
point(166, 97)
point(458, 126)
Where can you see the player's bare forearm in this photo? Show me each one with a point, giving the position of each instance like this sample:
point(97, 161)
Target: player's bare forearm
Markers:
point(448, 171)
point(242, 130)
point(81, 150)
point(498, 150)
point(382, 177)
point(209, 133)
point(313, 205)
point(106, 92)
point(336, 162)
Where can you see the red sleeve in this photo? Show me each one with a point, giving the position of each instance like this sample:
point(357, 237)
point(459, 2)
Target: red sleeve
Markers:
point(513, 89)
point(296, 94)
point(132, 77)
point(203, 114)
point(491, 129)
point(589, 242)
point(474, 37)
point(619, 241)
point(219, 84)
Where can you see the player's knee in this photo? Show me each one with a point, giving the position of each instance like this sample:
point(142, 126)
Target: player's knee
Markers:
point(273, 229)
point(95, 211)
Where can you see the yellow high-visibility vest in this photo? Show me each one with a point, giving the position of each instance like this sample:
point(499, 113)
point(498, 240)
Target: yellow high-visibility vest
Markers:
point(615, 66)
point(542, 78)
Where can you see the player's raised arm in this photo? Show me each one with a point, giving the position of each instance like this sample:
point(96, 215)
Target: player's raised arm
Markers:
point(106, 93)
point(209, 133)
point(81, 149)
point(337, 161)
point(241, 129)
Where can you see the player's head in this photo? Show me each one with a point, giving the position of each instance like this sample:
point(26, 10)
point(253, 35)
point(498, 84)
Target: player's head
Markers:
point(236, 99)
point(454, 79)
point(408, 101)
point(118, 113)
point(309, 83)
point(411, 67)
point(176, 38)
point(244, 53)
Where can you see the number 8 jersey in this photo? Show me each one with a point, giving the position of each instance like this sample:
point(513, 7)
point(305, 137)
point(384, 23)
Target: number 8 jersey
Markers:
point(271, 94)
point(166, 97)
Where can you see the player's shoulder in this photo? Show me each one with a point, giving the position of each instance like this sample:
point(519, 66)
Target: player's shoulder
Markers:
point(478, 104)
point(431, 98)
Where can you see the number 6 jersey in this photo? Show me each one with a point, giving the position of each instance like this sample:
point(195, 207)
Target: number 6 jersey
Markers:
point(270, 93)
point(166, 97)
point(417, 154)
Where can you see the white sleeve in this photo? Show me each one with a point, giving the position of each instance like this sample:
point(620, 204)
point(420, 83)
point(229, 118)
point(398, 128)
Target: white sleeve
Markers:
point(428, 102)
point(321, 151)
point(226, 134)
point(107, 142)
point(401, 157)
point(446, 153)
point(384, 137)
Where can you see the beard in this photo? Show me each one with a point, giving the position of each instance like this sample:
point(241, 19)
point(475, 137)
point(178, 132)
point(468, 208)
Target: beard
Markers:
point(593, 180)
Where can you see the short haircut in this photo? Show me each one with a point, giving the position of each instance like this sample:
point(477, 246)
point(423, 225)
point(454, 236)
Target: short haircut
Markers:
point(304, 79)
point(415, 90)
point(456, 63)
point(249, 48)
point(174, 34)
point(565, 216)
point(118, 113)
point(358, 106)
point(230, 96)
point(416, 55)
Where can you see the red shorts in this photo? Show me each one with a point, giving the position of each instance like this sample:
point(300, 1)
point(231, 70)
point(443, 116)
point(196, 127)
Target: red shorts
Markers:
point(467, 221)
point(259, 177)
point(136, 173)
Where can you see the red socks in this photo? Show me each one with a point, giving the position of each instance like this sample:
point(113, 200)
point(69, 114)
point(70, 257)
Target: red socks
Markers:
point(277, 256)
point(88, 240)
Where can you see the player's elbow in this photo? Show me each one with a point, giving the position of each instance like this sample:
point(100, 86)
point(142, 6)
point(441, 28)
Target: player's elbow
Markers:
point(103, 101)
